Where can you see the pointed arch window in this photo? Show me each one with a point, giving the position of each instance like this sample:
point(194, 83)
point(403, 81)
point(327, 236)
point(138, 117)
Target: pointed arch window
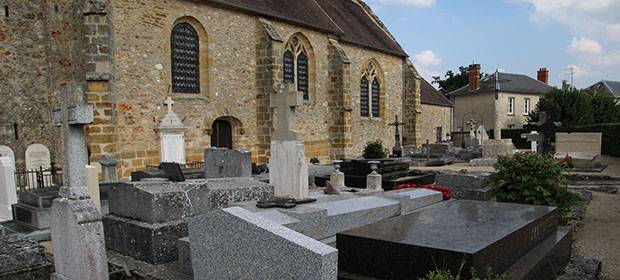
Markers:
point(370, 92)
point(297, 65)
point(185, 54)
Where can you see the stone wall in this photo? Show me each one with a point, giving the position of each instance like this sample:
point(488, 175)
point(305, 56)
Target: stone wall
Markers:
point(240, 72)
point(40, 51)
point(432, 117)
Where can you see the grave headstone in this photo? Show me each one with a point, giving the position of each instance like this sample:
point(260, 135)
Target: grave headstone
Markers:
point(6, 151)
point(578, 142)
point(172, 136)
point(108, 168)
point(493, 148)
point(234, 243)
point(288, 167)
point(38, 156)
point(76, 228)
point(8, 191)
point(224, 162)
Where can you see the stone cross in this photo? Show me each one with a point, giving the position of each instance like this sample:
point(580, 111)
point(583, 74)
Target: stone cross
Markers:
point(397, 150)
point(284, 102)
point(76, 227)
point(169, 102)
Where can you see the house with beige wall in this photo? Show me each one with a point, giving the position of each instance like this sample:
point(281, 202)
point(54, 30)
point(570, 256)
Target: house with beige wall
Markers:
point(499, 100)
point(436, 114)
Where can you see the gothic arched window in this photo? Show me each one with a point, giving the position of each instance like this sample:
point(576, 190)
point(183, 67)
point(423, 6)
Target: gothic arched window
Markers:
point(185, 54)
point(297, 65)
point(370, 93)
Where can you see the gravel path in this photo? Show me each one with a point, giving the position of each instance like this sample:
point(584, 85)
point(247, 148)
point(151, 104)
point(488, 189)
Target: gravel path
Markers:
point(599, 237)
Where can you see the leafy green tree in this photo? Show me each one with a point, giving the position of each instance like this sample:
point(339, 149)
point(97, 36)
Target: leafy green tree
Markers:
point(453, 81)
point(572, 108)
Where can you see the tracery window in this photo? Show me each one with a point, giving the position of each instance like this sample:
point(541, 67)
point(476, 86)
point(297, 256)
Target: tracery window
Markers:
point(185, 54)
point(370, 92)
point(297, 65)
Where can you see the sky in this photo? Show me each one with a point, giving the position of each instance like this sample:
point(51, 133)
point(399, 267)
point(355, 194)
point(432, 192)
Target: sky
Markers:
point(516, 36)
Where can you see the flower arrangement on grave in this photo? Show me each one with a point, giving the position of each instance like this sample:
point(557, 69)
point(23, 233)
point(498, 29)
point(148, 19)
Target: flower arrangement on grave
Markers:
point(375, 150)
point(445, 191)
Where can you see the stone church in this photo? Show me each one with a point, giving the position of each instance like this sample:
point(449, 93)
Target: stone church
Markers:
point(219, 60)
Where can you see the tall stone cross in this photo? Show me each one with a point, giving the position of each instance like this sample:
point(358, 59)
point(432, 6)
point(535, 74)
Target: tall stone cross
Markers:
point(76, 227)
point(397, 150)
point(284, 103)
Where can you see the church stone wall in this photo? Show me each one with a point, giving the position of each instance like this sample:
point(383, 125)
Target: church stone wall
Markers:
point(241, 72)
point(40, 51)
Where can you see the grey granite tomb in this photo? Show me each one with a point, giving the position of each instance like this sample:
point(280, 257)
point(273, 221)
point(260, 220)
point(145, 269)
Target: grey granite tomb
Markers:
point(223, 163)
point(235, 243)
point(23, 258)
point(148, 217)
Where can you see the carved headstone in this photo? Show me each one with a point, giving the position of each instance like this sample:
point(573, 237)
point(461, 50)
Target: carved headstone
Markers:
point(224, 163)
point(6, 151)
point(172, 136)
point(38, 156)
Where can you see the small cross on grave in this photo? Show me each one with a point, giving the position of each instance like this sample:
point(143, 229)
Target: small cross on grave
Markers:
point(169, 102)
point(284, 102)
point(397, 150)
point(546, 128)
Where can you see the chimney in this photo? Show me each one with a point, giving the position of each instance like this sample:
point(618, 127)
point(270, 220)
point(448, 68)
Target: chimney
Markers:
point(543, 75)
point(474, 76)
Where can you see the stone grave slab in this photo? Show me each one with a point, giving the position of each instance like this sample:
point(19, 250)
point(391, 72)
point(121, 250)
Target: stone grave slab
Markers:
point(581, 160)
point(351, 213)
point(224, 162)
point(234, 243)
point(494, 148)
point(478, 233)
point(148, 217)
point(579, 142)
point(23, 258)
point(412, 199)
point(470, 185)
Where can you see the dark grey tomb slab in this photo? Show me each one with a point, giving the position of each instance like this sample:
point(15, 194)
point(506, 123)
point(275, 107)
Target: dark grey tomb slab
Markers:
point(473, 233)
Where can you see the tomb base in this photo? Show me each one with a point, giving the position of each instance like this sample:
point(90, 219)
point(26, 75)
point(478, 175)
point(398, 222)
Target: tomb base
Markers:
point(288, 169)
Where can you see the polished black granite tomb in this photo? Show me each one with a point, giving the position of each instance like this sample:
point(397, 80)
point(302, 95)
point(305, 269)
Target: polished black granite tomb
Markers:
point(447, 235)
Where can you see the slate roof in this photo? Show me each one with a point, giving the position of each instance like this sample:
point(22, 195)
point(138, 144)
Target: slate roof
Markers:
point(431, 96)
point(351, 22)
point(508, 82)
point(606, 86)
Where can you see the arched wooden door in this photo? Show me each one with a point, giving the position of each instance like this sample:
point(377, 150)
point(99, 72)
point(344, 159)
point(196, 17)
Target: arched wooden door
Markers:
point(221, 134)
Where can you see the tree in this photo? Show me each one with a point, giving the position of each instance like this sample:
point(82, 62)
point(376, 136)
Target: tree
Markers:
point(454, 81)
point(572, 108)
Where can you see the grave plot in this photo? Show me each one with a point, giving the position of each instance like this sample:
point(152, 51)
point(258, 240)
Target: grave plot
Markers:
point(522, 241)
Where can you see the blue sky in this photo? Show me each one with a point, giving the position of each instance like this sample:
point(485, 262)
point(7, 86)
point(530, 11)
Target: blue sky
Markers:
point(517, 36)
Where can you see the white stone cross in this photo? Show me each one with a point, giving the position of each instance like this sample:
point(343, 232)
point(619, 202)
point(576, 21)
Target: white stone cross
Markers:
point(169, 102)
point(284, 102)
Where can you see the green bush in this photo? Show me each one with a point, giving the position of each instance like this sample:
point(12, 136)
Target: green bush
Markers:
point(375, 150)
point(531, 178)
point(611, 136)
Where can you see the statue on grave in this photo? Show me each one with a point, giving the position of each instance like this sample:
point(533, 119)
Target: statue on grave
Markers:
point(546, 129)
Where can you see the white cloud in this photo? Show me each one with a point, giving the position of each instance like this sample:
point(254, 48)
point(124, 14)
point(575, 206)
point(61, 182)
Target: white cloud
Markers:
point(426, 58)
point(584, 46)
point(417, 3)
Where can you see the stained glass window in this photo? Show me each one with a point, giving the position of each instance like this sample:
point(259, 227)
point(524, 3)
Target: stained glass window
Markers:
point(364, 97)
point(376, 88)
point(185, 53)
point(302, 75)
point(289, 67)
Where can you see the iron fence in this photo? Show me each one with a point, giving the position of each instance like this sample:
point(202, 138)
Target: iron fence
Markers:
point(30, 180)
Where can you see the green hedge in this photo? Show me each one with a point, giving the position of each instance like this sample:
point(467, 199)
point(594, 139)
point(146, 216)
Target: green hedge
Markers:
point(611, 136)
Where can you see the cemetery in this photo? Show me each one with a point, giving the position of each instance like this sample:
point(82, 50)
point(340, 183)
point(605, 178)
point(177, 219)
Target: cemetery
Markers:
point(358, 219)
point(214, 166)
